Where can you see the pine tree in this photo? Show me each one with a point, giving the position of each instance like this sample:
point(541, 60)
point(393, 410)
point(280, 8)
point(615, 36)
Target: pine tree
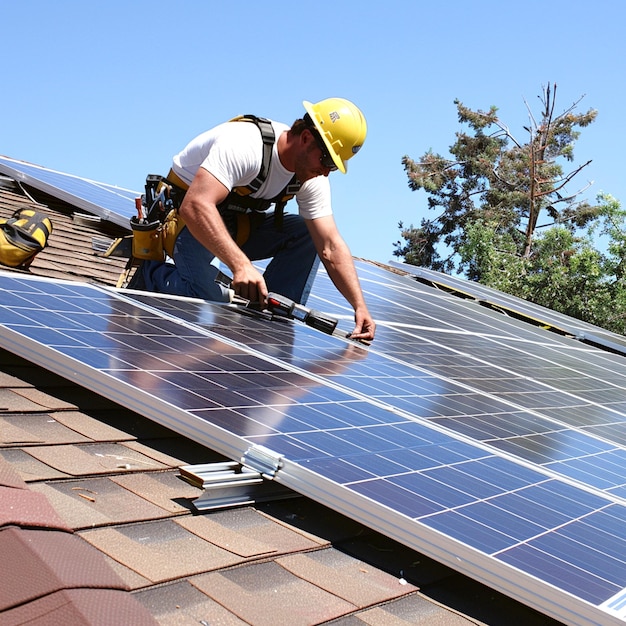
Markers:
point(494, 179)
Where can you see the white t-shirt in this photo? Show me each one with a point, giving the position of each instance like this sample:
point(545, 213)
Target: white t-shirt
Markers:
point(233, 153)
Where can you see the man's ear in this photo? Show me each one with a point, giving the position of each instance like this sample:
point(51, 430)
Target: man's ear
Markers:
point(306, 137)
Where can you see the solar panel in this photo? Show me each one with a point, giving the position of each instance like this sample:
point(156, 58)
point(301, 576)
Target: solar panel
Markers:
point(477, 399)
point(517, 306)
point(393, 435)
point(111, 203)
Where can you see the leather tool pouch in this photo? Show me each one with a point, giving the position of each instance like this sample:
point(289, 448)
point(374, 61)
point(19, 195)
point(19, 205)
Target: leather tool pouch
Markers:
point(147, 240)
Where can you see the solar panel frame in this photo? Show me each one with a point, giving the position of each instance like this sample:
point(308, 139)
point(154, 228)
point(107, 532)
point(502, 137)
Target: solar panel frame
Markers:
point(296, 449)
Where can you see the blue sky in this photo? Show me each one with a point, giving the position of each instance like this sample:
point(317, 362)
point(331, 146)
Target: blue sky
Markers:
point(111, 90)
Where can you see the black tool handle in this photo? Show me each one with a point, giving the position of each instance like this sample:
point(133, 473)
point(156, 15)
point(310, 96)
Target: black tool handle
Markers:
point(321, 321)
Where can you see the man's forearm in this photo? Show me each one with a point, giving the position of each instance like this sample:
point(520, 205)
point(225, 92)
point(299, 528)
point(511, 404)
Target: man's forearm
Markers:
point(339, 264)
point(206, 225)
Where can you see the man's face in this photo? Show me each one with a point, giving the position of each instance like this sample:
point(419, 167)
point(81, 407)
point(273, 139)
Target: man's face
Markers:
point(309, 158)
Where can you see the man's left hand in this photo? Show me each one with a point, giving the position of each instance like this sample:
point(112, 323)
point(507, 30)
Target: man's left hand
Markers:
point(365, 327)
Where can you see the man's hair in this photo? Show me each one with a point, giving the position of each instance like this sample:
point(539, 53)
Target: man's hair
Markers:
point(298, 126)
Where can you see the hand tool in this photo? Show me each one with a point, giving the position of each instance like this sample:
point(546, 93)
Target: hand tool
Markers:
point(282, 306)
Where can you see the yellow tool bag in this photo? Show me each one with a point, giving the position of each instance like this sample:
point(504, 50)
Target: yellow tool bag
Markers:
point(23, 236)
point(147, 239)
point(152, 239)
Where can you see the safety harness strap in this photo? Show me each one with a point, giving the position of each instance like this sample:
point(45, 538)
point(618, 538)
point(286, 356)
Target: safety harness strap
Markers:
point(281, 200)
point(268, 137)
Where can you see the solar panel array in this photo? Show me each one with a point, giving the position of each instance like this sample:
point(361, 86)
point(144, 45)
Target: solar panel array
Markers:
point(494, 446)
point(488, 444)
point(111, 203)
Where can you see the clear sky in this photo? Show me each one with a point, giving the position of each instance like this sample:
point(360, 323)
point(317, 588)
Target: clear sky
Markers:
point(111, 90)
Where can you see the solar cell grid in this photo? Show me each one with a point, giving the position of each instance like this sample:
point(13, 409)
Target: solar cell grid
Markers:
point(230, 395)
point(557, 405)
point(518, 358)
point(603, 471)
point(440, 399)
point(612, 432)
point(419, 303)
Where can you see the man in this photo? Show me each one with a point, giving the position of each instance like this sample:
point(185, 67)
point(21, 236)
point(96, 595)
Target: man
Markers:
point(212, 171)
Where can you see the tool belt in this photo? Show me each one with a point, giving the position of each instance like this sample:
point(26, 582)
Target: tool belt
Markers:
point(152, 240)
point(155, 234)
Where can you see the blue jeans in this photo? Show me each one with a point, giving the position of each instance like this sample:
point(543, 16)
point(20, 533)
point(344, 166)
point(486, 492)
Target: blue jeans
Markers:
point(291, 271)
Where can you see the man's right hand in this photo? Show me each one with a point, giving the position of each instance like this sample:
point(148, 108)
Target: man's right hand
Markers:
point(249, 283)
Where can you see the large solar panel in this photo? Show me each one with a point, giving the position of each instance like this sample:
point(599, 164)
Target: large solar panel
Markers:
point(513, 305)
point(486, 398)
point(111, 203)
point(494, 447)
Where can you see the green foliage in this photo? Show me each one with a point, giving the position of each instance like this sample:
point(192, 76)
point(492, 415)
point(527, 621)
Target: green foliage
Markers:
point(504, 218)
point(565, 271)
point(491, 256)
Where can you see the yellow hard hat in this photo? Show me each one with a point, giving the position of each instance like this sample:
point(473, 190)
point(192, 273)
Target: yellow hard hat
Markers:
point(341, 125)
